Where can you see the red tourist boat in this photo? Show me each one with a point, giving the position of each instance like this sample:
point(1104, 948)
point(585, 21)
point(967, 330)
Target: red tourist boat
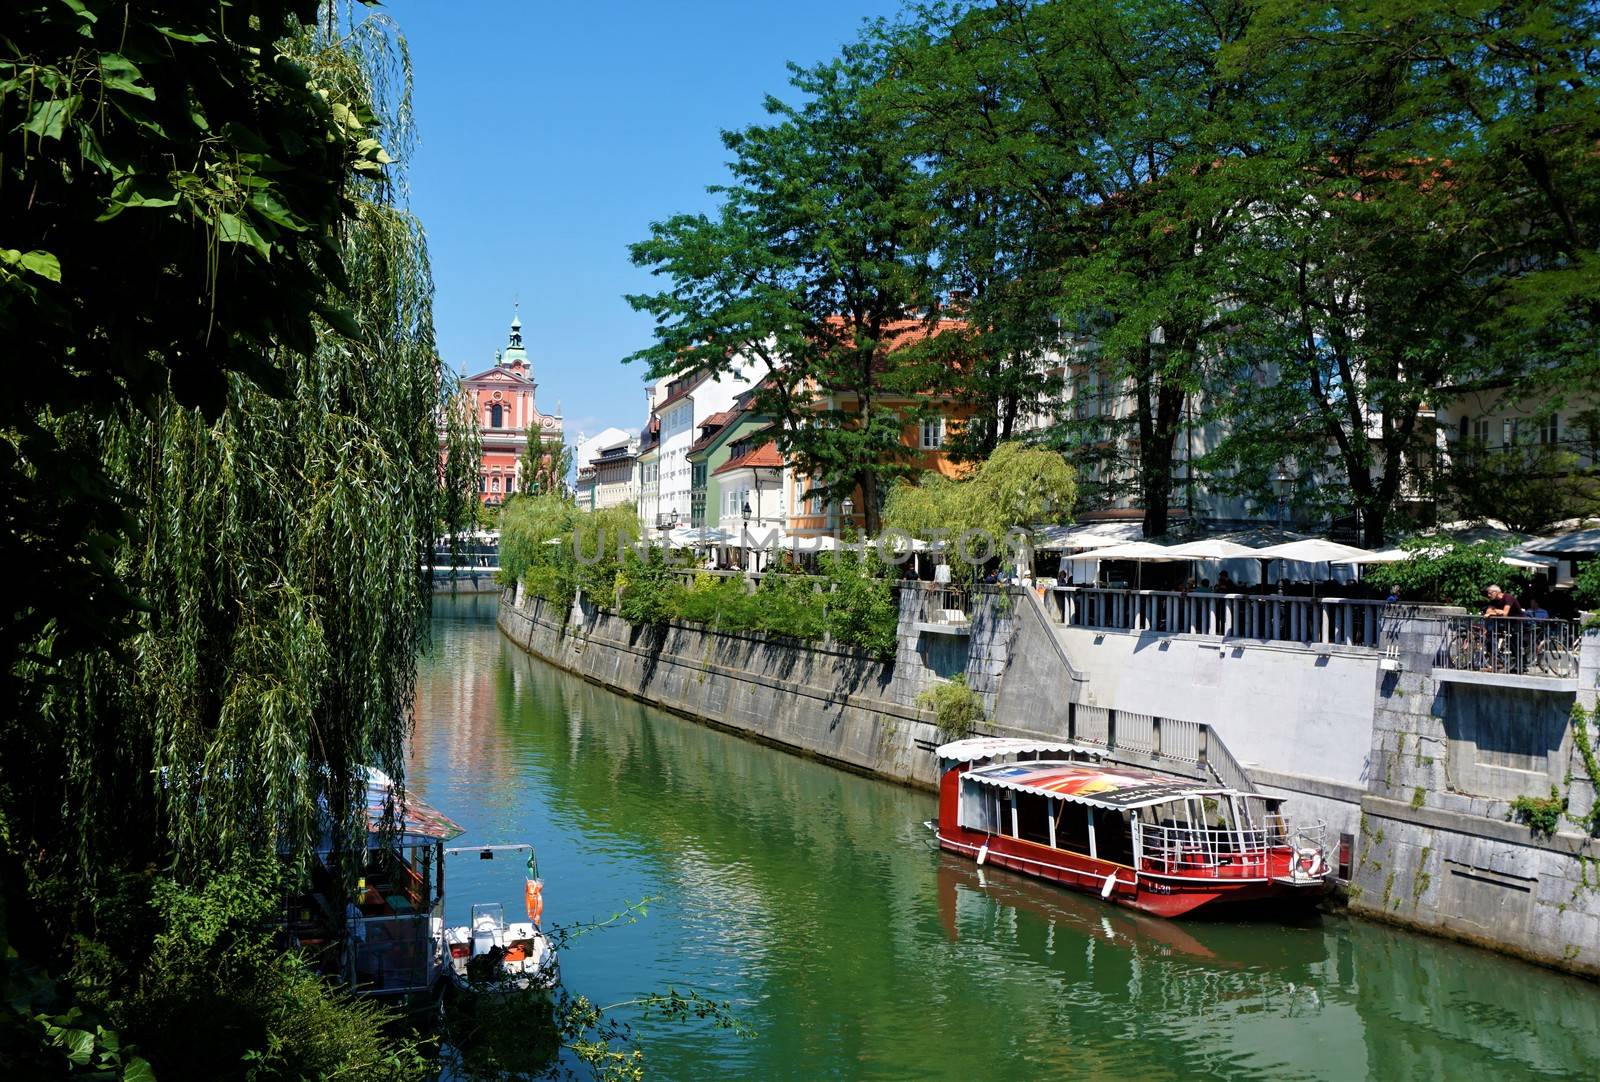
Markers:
point(1161, 843)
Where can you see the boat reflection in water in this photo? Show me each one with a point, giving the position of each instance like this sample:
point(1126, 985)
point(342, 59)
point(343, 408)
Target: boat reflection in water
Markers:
point(971, 899)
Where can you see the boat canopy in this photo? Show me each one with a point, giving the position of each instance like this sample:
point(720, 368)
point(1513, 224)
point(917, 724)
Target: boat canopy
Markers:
point(974, 748)
point(412, 817)
point(1116, 787)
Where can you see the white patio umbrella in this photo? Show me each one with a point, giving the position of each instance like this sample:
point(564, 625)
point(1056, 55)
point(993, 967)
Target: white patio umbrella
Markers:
point(702, 535)
point(1140, 552)
point(1213, 548)
point(1378, 556)
point(1312, 550)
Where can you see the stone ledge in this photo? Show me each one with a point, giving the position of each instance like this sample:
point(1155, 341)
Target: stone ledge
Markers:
point(1301, 783)
point(1506, 680)
point(1479, 826)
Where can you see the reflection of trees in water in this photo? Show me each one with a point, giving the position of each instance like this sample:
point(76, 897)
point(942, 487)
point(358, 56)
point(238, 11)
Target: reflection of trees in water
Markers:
point(1439, 1009)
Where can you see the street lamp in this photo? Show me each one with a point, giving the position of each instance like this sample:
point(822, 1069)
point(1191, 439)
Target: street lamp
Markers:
point(849, 509)
point(744, 540)
point(1283, 488)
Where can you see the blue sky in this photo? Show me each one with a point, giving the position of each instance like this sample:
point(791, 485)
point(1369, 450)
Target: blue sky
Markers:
point(553, 134)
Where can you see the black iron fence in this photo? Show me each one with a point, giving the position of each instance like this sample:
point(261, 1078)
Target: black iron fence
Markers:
point(1510, 645)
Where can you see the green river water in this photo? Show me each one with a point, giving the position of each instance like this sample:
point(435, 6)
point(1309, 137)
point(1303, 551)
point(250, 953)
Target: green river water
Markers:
point(810, 898)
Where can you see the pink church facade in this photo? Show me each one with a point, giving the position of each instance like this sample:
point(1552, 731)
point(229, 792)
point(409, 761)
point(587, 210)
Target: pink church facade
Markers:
point(503, 401)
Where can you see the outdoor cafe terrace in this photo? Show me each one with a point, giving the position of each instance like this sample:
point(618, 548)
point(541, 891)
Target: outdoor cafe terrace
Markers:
point(1302, 590)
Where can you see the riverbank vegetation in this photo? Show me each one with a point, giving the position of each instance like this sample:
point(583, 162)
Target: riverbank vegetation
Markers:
point(957, 709)
point(557, 551)
point(225, 309)
point(1253, 244)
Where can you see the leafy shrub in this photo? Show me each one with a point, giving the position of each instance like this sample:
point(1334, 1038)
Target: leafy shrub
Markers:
point(1448, 572)
point(861, 607)
point(649, 591)
point(217, 998)
point(957, 709)
point(719, 601)
point(1542, 814)
point(789, 605)
point(1586, 586)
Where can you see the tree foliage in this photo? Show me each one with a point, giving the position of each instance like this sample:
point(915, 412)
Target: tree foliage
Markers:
point(224, 466)
point(170, 183)
point(816, 264)
point(1017, 487)
point(1448, 571)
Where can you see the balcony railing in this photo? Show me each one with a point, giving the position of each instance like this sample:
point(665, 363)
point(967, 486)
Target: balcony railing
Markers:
point(1338, 621)
point(1510, 646)
point(943, 608)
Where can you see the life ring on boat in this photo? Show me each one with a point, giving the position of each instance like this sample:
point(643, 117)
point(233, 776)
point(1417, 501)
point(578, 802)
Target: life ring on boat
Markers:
point(533, 894)
point(1309, 860)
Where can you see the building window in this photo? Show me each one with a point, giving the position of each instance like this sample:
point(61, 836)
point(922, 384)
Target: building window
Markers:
point(1465, 426)
point(815, 504)
point(933, 433)
point(483, 483)
point(494, 484)
point(510, 485)
point(1482, 430)
point(1549, 430)
point(496, 416)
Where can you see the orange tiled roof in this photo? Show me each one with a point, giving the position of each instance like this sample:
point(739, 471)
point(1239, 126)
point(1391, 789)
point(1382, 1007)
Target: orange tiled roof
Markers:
point(764, 457)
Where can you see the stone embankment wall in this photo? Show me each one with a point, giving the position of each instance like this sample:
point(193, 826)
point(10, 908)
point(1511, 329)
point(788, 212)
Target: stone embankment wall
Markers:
point(1438, 848)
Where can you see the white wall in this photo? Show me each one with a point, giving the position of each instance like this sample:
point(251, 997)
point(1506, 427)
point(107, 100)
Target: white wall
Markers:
point(1284, 708)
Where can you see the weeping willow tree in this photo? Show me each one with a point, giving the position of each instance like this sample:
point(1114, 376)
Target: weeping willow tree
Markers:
point(281, 543)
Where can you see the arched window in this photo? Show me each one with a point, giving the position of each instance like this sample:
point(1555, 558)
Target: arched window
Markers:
point(495, 416)
point(494, 485)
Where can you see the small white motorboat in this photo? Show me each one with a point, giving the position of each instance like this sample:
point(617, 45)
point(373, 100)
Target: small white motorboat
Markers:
point(489, 955)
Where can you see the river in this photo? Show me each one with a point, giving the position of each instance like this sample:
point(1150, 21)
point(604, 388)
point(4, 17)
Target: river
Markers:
point(809, 897)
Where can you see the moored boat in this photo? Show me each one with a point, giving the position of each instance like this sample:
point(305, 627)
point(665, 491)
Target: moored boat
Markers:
point(1160, 843)
point(490, 954)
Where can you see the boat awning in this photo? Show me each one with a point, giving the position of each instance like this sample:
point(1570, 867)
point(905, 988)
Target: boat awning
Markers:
point(974, 748)
point(1117, 788)
point(411, 815)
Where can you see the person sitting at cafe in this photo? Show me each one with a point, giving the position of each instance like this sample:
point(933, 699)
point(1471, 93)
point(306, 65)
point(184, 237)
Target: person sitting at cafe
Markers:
point(1535, 610)
point(1501, 603)
point(1225, 583)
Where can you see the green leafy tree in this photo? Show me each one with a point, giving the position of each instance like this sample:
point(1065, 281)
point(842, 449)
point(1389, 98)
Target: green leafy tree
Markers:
point(459, 469)
point(816, 263)
point(170, 183)
point(1426, 217)
point(1017, 487)
point(545, 466)
point(1110, 123)
point(1447, 572)
point(252, 423)
point(1527, 486)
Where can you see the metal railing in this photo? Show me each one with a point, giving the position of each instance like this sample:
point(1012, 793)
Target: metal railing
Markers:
point(1338, 621)
point(943, 604)
point(1224, 852)
point(1173, 739)
point(1510, 645)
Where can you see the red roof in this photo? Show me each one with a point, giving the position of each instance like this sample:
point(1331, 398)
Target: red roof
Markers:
point(765, 457)
point(711, 428)
point(908, 332)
